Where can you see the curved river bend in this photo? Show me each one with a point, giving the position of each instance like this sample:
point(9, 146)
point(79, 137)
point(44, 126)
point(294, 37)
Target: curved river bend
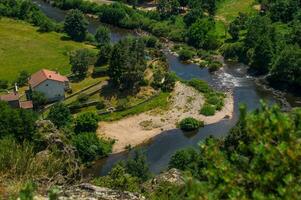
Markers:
point(232, 77)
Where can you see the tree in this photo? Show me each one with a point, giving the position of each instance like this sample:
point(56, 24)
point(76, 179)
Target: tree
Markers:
point(261, 57)
point(286, 67)
point(16, 122)
point(201, 34)
point(119, 179)
point(60, 115)
point(185, 160)
point(75, 25)
point(137, 166)
point(102, 36)
point(79, 61)
point(234, 30)
point(192, 16)
point(190, 124)
point(90, 147)
point(259, 159)
point(104, 55)
point(127, 63)
point(22, 79)
point(210, 6)
point(38, 99)
point(166, 8)
point(86, 122)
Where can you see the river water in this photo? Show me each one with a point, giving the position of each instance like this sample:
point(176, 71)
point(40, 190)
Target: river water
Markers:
point(233, 77)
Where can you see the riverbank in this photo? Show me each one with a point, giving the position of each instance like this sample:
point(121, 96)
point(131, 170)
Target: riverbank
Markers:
point(185, 102)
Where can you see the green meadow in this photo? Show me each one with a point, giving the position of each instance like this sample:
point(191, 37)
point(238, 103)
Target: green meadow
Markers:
point(22, 47)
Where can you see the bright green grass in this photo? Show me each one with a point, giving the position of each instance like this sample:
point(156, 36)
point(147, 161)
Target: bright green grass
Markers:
point(161, 101)
point(229, 9)
point(22, 47)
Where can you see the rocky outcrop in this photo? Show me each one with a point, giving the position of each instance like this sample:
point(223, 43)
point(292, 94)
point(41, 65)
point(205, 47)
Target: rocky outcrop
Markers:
point(87, 191)
point(172, 176)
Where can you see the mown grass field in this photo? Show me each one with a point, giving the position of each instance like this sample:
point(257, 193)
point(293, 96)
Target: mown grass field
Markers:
point(22, 47)
point(228, 10)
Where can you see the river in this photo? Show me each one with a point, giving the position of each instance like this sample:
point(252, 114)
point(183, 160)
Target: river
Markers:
point(232, 77)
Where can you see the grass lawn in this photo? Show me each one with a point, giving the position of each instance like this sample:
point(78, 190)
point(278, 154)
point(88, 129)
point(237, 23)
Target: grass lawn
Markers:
point(22, 47)
point(228, 10)
point(161, 101)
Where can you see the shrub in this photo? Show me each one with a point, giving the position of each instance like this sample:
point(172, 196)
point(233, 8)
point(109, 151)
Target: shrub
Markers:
point(82, 98)
point(3, 84)
point(185, 54)
point(119, 179)
point(86, 122)
point(208, 110)
point(150, 41)
point(200, 85)
point(190, 124)
point(90, 147)
point(185, 159)
point(100, 105)
point(214, 66)
point(60, 115)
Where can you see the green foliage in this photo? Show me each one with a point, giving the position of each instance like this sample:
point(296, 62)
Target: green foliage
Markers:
point(167, 8)
point(16, 122)
point(127, 65)
point(75, 25)
point(190, 124)
point(186, 160)
point(214, 100)
point(201, 34)
point(208, 110)
point(22, 79)
point(160, 101)
point(185, 54)
point(102, 36)
point(79, 61)
point(104, 55)
point(59, 115)
point(192, 16)
point(28, 11)
point(150, 41)
point(137, 166)
point(258, 160)
point(27, 193)
point(287, 67)
point(86, 122)
point(90, 147)
point(3, 84)
point(119, 179)
point(38, 99)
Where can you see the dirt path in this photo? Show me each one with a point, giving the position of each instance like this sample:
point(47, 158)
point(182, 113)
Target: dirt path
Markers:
point(138, 129)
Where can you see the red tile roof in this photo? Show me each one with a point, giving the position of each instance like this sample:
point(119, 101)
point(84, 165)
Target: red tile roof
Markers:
point(26, 104)
point(10, 97)
point(43, 75)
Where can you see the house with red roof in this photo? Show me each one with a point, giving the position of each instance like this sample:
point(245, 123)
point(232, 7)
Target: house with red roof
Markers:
point(50, 83)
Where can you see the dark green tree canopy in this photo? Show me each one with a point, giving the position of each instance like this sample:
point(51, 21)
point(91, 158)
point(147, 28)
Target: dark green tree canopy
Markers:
point(127, 63)
point(60, 115)
point(75, 25)
point(79, 61)
point(102, 36)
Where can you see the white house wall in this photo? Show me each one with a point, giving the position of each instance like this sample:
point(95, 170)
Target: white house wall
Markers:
point(53, 90)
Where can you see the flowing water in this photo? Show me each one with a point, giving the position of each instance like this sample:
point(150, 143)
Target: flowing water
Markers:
point(233, 77)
